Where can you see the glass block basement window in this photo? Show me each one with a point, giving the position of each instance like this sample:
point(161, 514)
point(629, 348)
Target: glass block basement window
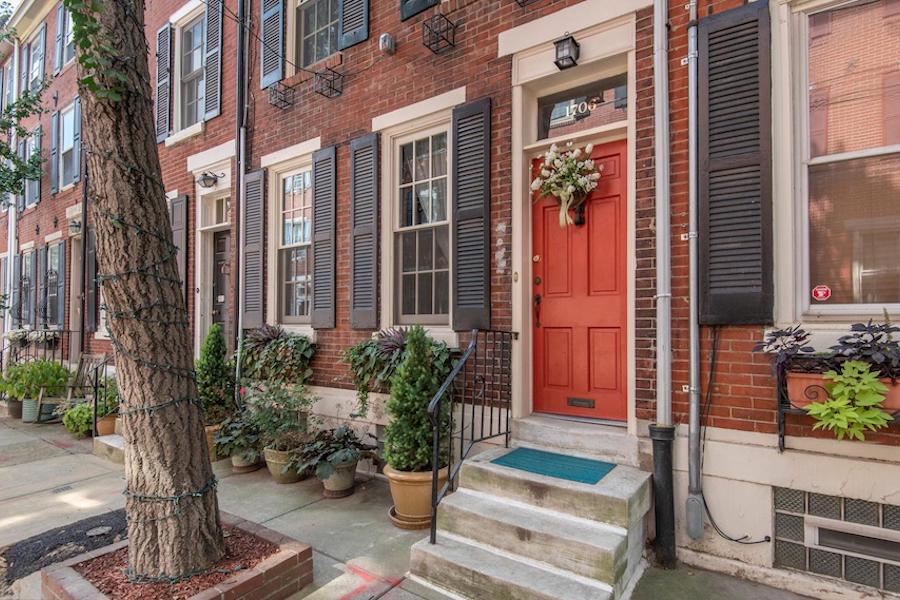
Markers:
point(874, 563)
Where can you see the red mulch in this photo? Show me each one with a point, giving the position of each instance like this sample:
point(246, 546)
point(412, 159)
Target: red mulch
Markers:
point(105, 572)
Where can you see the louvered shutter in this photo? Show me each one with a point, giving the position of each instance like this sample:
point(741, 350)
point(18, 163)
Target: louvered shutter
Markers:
point(212, 78)
point(54, 152)
point(409, 8)
point(32, 291)
point(735, 178)
point(163, 80)
point(76, 141)
point(58, 46)
point(23, 67)
point(472, 215)
point(61, 287)
point(353, 19)
point(15, 292)
point(252, 252)
point(38, 139)
point(20, 198)
point(41, 304)
point(324, 207)
point(364, 236)
point(42, 48)
point(178, 216)
point(90, 281)
point(271, 42)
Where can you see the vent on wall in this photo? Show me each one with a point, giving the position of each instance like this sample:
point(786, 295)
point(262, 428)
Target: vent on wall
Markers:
point(849, 539)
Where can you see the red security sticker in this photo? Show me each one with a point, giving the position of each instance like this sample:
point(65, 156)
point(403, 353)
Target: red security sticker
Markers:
point(821, 293)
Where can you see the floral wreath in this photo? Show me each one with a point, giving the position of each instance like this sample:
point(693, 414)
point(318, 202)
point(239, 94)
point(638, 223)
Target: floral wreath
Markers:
point(569, 176)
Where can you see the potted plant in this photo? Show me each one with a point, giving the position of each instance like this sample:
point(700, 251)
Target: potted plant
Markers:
point(282, 416)
point(854, 402)
point(78, 419)
point(107, 406)
point(408, 436)
point(238, 437)
point(215, 384)
point(333, 456)
point(24, 382)
point(272, 354)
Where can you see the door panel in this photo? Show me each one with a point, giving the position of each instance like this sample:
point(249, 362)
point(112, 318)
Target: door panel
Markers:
point(579, 299)
point(220, 276)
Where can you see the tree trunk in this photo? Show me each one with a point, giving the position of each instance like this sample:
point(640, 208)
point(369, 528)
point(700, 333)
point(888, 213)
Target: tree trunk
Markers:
point(165, 449)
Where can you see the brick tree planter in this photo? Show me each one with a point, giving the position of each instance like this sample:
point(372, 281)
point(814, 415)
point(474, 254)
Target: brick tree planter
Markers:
point(278, 576)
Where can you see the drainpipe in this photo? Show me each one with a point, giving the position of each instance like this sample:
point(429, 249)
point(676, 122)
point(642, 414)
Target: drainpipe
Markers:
point(694, 505)
point(662, 433)
point(12, 225)
point(240, 162)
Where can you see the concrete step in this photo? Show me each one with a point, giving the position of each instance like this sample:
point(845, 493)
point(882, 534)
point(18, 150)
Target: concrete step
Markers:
point(110, 447)
point(472, 571)
point(606, 442)
point(587, 548)
point(621, 498)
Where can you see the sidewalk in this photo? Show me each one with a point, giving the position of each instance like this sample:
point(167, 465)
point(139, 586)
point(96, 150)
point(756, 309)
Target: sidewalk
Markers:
point(48, 479)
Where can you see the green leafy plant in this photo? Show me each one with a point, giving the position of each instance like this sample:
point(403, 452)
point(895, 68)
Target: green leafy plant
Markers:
point(408, 436)
point(280, 414)
point(272, 354)
point(854, 402)
point(215, 377)
point(330, 448)
point(107, 397)
point(239, 435)
point(374, 361)
point(79, 419)
point(25, 380)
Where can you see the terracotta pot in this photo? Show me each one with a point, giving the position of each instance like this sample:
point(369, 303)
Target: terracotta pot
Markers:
point(241, 464)
point(211, 431)
point(341, 482)
point(806, 388)
point(411, 492)
point(275, 461)
point(14, 408)
point(106, 425)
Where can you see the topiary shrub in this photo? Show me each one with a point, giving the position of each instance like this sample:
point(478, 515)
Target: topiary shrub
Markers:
point(215, 377)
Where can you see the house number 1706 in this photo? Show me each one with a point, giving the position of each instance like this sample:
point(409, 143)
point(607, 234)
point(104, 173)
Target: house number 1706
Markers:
point(583, 107)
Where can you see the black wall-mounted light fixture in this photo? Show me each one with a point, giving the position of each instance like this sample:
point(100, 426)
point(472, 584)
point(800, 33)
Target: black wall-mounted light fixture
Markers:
point(208, 180)
point(74, 226)
point(567, 52)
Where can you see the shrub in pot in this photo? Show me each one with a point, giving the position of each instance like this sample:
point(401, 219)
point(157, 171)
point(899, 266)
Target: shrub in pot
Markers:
point(238, 437)
point(24, 382)
point(78, 419)
point(408, 436)
point(333, 456)
point(215, 384)
point(282, 416)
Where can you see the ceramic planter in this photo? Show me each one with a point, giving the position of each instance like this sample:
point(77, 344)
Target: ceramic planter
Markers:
point(241, 464)
point(14, 408)
point(275, 461)
point(411, 492)
point(805, 388)
point(211, 431)
point(29, 410)
point(341, 482)
point(106, 425)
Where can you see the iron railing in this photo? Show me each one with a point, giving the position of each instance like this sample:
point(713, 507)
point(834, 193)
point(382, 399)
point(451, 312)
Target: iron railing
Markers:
point(55, 347)
point(471, 406)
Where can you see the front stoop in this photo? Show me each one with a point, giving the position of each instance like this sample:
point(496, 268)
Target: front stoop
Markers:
point(110, 447)
point(512, 534)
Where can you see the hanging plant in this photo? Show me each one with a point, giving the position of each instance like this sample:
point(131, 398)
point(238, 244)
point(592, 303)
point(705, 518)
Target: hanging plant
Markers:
point(569, 176)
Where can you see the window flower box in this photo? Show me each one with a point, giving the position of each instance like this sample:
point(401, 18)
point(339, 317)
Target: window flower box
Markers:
point(806, 388)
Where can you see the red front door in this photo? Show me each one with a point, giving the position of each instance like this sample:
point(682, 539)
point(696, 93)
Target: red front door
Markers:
point(579, 299)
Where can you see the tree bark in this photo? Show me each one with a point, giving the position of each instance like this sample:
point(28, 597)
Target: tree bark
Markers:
point(165, 449)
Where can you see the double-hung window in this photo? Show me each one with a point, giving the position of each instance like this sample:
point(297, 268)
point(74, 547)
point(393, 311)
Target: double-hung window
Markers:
point(26, 289)
point(36, 62)
point(192, 71)
point(422, 229)
point(317, 23)
point(32, 186)
point(851, 156)
point(68, 42)
point(295, 246)
point(51, 309)
point(67, 161)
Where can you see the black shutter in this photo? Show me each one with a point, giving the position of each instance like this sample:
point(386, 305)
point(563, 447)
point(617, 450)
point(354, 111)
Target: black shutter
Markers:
point(76, 141)
point(252, 252)
point(90, 281)
point(408, 8)
point(472, 215)
point(324, 223)
point(271, 42)
point(54, 152)
point(178, 217)
point(364, 235)
point(38, 138)
point(353, 21)
point(15, 290)
point(32, 291)
point(735, 171)
point(58, 47)
point(163, 82)
point(43, 46)
point(212, 79)
point(20, 198)
point(41, 303)
point(61, 287)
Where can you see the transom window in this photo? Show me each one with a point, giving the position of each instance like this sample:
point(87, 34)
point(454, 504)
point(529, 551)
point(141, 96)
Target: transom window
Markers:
point(422, 230)
point(191, 73)
point(852, 165)
point(67, 146)
point(317, 30)
point(295, 246)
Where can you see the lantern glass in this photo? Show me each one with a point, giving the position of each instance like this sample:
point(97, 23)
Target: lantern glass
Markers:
point(567, 50)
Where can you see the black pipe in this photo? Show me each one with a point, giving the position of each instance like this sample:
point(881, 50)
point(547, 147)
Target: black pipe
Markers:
point(663, 437)
point(239, 167)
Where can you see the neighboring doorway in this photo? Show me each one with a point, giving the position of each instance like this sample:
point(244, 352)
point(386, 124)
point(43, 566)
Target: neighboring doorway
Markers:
point(221, 278)
point(579, 299)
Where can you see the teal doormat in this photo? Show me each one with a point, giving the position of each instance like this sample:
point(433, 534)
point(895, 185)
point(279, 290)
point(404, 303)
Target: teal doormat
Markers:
point(560, 466)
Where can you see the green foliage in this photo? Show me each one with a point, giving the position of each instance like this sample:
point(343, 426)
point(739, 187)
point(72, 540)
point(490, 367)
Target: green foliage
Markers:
point(79, 419)
point(98, 56)
point(280, 413)
point(408, 436)
point(330, 448)
point(272, 354)
point(107, 397)
point(374, 361)
point(239, 435)
point(854, 402)
point(25, 380)
point(215, 377)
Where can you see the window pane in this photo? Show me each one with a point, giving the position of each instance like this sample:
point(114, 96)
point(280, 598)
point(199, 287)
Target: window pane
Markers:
point(441, 248)
point(849, 105)
point(408, 251)
point(854, 230)
point(67, 136)
point(406, 207)
point(439, 199)
point(426, 249)
point(422, 159)
point(408, 294)
point(422, 208)
point(439, 155)
point(586, 106)
point(424, 291)
point(309, 50)
point(441, 293)
point(406, 163)
point(68, 167)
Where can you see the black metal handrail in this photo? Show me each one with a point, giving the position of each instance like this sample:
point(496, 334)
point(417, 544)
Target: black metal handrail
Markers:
point(98, 383)
point(27, 350)
point(478, 383)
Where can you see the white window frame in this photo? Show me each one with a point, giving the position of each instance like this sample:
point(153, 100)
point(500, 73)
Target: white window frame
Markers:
point(53, 286)
point(189, 13)
point(67, 38)
point(62, 183)
point(35, 80)
point(293, 29)
point(299, 32)
point(277, 240)
point(31, 255)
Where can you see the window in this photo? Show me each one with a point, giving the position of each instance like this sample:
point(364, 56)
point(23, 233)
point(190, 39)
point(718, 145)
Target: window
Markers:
point(317, 30)
point(32, 186)
point(36, 62)
point(51, 309)
point(852, 157)
point(587, 106)
point(191, 73)
point(67, 158)
point(294, 247)
point(26, 289)
point(422, 230)
point(10, 85)
point(68, 49)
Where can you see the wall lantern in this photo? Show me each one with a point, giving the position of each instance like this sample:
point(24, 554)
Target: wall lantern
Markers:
point(74, 226)
point(567, 51)
point(208, 180)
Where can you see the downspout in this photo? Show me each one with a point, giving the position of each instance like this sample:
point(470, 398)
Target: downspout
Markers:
point(12, 222)
point(85, 196)
point(694, 506)
point(240, 162)
point(663, 432)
